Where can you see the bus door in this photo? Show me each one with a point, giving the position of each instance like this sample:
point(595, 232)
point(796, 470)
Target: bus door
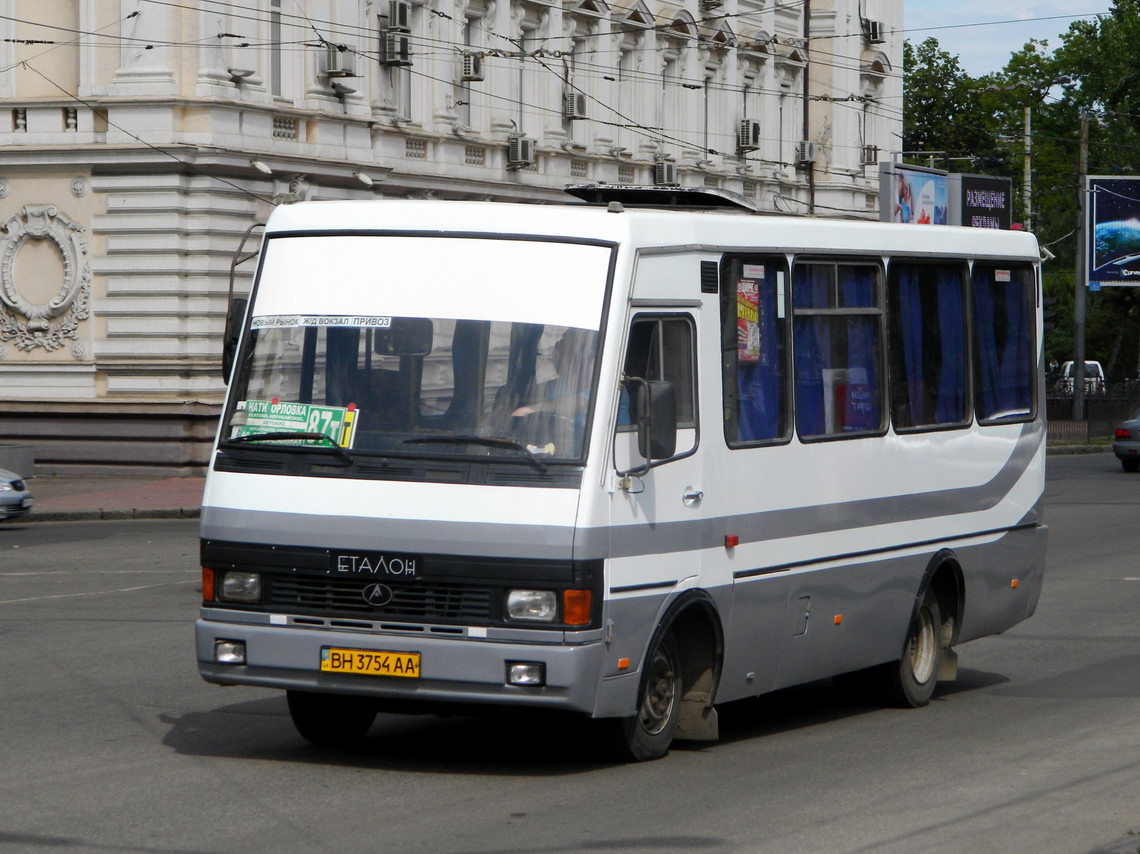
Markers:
point(656, 507)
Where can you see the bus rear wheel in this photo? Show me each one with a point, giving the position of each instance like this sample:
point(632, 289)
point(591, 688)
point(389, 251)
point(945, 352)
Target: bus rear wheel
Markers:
point(648, 734)
point(909, 682)
point(330, 720)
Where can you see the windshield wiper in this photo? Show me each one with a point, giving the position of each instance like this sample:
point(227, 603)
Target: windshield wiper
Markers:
point(285, 435)
point(487, 441)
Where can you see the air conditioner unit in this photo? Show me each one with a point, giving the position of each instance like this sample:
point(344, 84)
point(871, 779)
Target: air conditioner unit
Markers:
point(748, 135)
point(337, 62)
point(574, 105)
point(520, 152)
point(709, 5)
point(472, 68)
point(665, 173)
point(399, 15)
point(874, 31)
point(805, 152)
point(395, 49)
point(870, 155)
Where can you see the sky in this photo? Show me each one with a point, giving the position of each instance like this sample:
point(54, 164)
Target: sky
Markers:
point(964, 28)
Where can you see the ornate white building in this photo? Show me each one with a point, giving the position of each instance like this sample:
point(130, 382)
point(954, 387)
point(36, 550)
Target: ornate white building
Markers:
point(141, 138)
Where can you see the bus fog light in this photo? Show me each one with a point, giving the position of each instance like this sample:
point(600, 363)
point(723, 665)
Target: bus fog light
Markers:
point(229, 652)
point(536, 605)
point(241, 587)
point(526, 673)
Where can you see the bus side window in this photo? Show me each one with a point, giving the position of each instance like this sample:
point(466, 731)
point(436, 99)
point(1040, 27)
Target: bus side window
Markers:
point(1004, 369)
point(661, 348)
point(838, 334)
point(754, 351)
point(928, 350)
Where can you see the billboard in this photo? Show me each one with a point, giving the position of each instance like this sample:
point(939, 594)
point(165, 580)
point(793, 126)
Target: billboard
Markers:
point(913, 194)
point(1112, 228)
point(981, 201)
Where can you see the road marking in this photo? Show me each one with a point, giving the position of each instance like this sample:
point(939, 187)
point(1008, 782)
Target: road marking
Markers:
point(94, 592)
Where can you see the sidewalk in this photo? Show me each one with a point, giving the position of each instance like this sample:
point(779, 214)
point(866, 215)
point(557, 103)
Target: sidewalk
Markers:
point(79, 498)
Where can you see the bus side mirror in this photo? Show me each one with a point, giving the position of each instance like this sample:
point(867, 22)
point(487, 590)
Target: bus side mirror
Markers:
point(234, 319)
point(656, 419)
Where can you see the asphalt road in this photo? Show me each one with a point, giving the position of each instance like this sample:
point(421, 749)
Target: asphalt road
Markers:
point(109, 741)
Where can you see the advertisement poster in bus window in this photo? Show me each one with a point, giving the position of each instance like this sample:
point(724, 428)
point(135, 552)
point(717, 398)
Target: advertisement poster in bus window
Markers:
point(1113, 230)
point(748, 319)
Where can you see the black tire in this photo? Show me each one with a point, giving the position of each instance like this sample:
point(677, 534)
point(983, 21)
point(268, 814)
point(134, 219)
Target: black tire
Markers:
point(1131, 464)
point(909, 682)
point(648, 734)
point(330, 720)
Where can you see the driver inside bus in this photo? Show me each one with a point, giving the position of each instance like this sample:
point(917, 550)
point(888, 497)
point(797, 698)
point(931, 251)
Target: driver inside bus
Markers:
point(565, 398)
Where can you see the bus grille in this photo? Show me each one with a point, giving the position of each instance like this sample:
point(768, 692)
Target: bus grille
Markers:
point(431, 601)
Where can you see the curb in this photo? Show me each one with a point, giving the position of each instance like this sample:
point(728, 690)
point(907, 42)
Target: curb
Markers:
point(110, 515)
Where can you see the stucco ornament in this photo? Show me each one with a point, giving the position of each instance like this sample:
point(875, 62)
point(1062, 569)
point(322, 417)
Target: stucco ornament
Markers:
point(51, 324)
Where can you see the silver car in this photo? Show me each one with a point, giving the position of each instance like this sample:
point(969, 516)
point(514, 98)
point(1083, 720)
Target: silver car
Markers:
point(15, 499)
point(1126, 443)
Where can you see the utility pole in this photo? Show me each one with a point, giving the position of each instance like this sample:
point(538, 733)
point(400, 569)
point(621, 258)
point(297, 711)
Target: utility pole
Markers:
point(1027, 174)
point(1081, 273)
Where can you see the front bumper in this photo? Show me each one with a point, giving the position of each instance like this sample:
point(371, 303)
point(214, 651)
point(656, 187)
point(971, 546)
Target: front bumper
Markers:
point(454, 668)
point(15, 506)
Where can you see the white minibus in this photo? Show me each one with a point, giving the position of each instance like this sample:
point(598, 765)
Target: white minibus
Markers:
point(624, 462)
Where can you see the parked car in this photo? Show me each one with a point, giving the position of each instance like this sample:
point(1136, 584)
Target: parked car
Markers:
point(15, 499)
point(1094, 378)
point(1126, 443)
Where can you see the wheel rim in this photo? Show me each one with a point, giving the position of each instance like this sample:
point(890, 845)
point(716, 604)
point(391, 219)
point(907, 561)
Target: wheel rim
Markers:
point(923, 647)
point(660, 694)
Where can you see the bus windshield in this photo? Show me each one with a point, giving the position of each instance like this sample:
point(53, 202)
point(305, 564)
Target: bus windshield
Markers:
point(495, 362)
point(418, 384)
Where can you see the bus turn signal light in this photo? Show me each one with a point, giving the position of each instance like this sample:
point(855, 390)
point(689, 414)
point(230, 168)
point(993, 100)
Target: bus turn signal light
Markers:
point(576, 607)
point(207, 585)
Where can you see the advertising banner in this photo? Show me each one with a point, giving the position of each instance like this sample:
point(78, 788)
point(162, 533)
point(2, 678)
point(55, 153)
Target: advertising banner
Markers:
point(981, 201)
point(913, 194)
point(1113, 230)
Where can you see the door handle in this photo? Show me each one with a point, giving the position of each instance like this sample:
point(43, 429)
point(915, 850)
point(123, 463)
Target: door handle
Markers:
point(692, 497)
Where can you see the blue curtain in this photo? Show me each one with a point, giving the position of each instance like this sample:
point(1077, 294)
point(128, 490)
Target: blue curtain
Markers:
point(1001, 321)
point(861, 403)
point(760, 387)
point(909, 318)
point(929, 353)
point(812, 349)
point(950, 407)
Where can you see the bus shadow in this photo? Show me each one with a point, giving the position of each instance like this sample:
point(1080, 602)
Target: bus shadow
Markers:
point(822, 702)
point(515, 743)
point(507, 744)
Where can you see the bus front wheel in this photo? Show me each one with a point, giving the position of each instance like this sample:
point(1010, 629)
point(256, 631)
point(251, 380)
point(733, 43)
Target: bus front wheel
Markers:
point(910, 682)
point(648, 734)
point(330, 720)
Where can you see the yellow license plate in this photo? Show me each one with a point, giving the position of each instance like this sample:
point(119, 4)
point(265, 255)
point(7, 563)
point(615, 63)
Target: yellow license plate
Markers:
point(371, 662)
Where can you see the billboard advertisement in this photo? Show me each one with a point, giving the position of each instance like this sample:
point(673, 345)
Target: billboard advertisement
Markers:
point(981, 201)
point(913, 194)
point(1113, 230)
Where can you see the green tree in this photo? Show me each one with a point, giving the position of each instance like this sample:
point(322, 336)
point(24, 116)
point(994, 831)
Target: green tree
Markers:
point(940, 111)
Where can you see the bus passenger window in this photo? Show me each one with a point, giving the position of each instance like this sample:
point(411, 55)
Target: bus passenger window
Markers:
point(928, 352)
point(838, 333)
point(754, 351)
point(1003, 299)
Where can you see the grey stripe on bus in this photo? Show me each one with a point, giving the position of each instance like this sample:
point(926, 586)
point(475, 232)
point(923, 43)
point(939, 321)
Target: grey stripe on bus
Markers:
point(559, 542)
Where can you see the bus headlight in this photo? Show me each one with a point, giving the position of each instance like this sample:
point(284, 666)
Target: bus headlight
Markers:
point(534, 605)
point(241, 587)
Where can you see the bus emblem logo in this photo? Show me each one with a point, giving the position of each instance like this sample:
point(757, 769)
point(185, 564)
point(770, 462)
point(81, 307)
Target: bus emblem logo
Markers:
point(378, 595)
